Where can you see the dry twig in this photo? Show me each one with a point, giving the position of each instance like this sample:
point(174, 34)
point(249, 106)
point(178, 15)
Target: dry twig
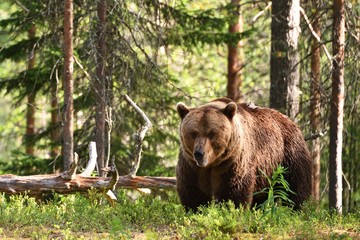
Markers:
point(261, 12)
point(316, 36)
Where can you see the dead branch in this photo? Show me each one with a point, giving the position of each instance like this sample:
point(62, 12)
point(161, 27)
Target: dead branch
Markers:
point(22, 6)
point(139, 137)
point(315, 135)
point(82, 68)
point(36, 185)
point(261, 12)
point(316, 36)
point(109, 124)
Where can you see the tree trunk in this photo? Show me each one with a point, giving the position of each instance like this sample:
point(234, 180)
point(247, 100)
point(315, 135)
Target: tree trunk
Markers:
point(315, 102)
point(55, 120)
point(100, 86)
point(337, 108)
point(234, 60)
point(30, 112)
point(68, 115)
point(284, 60)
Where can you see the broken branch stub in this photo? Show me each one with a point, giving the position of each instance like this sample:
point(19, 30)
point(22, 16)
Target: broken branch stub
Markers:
point(90, 167)
point(71, 173)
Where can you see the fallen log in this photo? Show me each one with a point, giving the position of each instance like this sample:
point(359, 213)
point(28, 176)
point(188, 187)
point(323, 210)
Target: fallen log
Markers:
point(36, 185)
point(69, 182)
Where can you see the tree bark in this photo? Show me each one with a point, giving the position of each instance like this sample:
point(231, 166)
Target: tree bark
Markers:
point(315, 86)
point(284, 60)
point(234, 60)
point(37, 185)
point(30, 112)
point(337, 108)
point(68, 115)
point(55, 119)
point(100, 86)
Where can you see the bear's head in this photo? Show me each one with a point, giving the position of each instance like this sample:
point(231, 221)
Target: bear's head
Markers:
point(205, 132)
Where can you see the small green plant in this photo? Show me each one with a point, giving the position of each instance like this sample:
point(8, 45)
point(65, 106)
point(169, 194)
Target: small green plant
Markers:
point(278, 191)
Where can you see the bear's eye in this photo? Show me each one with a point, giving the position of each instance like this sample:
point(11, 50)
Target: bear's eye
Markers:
point(193, 134)
point(211, 134)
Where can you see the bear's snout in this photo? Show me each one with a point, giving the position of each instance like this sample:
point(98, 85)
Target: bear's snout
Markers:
point(198, 155)
point(199, 158)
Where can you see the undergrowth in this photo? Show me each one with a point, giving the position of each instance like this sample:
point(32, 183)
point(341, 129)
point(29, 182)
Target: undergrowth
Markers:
point(154, 217)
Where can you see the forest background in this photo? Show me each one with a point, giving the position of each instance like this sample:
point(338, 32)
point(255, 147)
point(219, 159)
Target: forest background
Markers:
point(158, 53)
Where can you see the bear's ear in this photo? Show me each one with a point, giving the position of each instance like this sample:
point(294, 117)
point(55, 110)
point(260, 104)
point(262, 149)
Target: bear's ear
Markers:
point(182, 109)
point(230, 110)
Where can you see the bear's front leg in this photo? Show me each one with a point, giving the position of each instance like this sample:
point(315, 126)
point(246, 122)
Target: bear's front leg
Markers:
point(238, 189)
point(190, 194)
point(191, 197)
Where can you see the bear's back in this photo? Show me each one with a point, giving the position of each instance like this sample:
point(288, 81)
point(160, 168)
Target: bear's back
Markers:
point(263, 117)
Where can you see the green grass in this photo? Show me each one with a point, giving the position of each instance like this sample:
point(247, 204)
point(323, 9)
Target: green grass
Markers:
point(154, 217)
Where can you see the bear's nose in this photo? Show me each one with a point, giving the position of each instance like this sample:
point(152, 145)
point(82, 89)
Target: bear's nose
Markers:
point(198, 155)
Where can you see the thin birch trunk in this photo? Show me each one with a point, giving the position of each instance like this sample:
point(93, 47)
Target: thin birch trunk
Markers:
point(337, 108)
point(315, 86)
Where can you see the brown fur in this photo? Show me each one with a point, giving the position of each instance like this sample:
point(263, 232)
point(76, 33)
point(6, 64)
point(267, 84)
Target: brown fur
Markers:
point(223, 146)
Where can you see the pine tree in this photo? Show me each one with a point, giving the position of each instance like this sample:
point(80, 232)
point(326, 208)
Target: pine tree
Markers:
point(315, 86)
point(234, 56)
point(284, 61)
point(100, 85)
point(30, 114)
point(68, 115)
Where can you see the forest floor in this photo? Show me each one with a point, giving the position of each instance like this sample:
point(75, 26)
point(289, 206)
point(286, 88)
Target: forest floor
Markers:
point(162, 217)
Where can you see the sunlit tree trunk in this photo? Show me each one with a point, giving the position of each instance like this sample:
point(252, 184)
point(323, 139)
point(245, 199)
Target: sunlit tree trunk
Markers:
point(30, 112)
point(68, 115)
point(100, 85)
point(337, 108)
point(315, 101)
point(284, 60)
point(234, 55)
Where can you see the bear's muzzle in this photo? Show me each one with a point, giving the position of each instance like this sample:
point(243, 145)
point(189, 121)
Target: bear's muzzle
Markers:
point(199, 158)
point(199, 155)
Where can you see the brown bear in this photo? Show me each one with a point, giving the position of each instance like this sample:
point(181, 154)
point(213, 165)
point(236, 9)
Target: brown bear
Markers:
point(223, 147)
